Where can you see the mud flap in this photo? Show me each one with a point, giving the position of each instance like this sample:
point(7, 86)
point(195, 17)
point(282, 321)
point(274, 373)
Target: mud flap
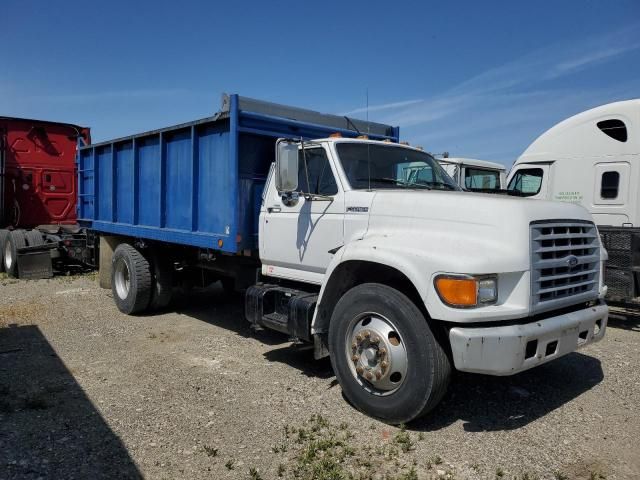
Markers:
point(35, 262)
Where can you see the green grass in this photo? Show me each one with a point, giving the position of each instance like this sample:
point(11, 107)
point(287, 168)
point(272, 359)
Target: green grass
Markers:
point(321, 450)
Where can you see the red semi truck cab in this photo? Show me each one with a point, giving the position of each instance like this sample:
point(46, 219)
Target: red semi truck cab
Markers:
point(38, 177)
point(39, 233)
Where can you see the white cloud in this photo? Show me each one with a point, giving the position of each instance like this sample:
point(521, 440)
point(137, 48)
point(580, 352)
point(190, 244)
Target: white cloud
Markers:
point(385, 106)
point(475, 115)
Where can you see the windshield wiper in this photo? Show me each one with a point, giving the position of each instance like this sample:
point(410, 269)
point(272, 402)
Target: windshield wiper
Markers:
point(395, 181)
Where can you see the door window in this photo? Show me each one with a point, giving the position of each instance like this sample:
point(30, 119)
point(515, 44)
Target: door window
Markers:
point(317, 178)
point(526, 182)
point(480, 179)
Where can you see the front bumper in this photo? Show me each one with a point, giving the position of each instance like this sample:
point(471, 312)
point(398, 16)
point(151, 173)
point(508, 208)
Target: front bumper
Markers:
point(514, 348)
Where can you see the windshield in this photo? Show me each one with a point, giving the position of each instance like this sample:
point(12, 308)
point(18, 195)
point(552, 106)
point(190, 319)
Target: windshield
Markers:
point(377, 166)
point(526, 182)
point(481, 179)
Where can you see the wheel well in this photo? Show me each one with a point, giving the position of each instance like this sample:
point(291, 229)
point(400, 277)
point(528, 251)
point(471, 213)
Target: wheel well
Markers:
point(355, 272)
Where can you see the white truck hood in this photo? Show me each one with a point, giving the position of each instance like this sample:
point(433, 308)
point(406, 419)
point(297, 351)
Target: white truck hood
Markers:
point(472, 232)
point(471, 208)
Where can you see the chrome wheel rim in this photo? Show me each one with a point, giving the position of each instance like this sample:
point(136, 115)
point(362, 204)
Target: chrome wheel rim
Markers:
point(122, 279)
point(376, 353)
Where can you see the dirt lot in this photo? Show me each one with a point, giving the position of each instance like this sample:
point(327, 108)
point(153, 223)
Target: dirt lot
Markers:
point(86, 392)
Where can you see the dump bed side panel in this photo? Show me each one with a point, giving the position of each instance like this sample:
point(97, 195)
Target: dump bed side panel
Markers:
point(176, 186)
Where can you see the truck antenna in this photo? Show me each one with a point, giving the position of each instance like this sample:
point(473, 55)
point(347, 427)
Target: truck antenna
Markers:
point(368, 144)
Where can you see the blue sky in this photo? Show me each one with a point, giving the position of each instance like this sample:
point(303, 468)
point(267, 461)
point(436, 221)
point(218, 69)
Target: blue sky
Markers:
point(479, 79)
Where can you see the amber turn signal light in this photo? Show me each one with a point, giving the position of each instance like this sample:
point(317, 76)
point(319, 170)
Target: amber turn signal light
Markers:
point(458, 291)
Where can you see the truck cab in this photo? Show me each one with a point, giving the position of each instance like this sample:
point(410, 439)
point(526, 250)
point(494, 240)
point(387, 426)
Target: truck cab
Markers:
point(593, 159)
point(475, 175)
point(404, 262)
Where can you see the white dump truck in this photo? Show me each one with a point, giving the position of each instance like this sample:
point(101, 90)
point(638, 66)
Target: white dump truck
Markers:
point(399, 277)
point(593, 159)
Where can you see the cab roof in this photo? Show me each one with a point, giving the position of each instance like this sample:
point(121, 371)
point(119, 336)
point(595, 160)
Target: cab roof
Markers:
point(473, 162)
point(610, 129)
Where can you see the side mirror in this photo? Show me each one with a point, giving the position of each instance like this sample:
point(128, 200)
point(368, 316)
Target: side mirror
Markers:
point(286, 166)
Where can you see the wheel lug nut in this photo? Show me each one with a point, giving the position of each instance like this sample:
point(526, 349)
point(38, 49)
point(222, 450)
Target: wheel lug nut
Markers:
point(369, 376)
point(359, 370)
point(355, 358)
point(378, 375)
point(354, 345)
point(367, 334)
point(359, 337)
point(374, 339)
point(384, 365)
point(382, 352)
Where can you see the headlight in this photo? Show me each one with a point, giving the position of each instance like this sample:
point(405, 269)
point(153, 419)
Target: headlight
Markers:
point(467, 291)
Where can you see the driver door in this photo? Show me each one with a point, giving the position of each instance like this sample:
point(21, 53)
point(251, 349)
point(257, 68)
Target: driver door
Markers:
point(296, 236)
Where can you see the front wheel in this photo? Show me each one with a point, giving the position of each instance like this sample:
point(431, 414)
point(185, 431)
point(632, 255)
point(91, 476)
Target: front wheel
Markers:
point(387, 360)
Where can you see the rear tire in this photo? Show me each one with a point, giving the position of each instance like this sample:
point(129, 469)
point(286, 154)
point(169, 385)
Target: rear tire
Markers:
point(130, 280)
point(4, 234)
point(405, 380)
point(15, 240)
point(162, 288)
point(34, 238)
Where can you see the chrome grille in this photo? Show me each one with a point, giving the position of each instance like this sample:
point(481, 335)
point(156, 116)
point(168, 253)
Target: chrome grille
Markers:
point(565, 263)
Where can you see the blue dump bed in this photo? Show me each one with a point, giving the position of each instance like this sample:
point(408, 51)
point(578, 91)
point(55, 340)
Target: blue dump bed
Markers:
point(201, 182)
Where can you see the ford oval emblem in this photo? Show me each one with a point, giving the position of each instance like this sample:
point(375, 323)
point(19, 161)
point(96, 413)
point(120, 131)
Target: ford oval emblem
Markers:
point(572, 261)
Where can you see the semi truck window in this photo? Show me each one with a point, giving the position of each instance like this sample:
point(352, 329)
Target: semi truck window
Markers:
point(609, 185)
point(476, 178)
point(614, 128)
point(321, 179)
point(526, 182)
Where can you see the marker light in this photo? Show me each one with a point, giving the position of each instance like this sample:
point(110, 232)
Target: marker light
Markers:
point(465, 291)
point(335, 135)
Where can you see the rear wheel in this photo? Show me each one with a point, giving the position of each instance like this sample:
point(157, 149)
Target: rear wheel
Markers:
point(15, 240)
point(130, 280)
point(162, 284)
point(34, 238)
point(386, 358)
point(4, 234)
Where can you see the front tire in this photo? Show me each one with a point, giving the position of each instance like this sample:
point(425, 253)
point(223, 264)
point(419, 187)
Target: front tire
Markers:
point(130, 280)
point(387, 360)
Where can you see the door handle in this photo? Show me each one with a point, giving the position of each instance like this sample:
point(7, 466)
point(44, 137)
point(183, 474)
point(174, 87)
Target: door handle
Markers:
point(274, 209)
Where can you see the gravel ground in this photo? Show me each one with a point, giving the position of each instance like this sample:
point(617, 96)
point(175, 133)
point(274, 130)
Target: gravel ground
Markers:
point(86, 392)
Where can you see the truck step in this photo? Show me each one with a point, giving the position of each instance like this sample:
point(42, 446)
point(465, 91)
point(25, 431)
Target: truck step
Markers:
point(283, 309)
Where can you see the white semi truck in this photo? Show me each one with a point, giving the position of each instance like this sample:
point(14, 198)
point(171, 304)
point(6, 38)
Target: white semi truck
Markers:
point(593, 159)
point(399, 279)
